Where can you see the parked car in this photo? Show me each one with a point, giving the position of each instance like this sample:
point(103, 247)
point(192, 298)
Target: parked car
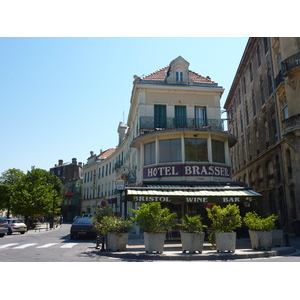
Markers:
point(82, 227)
point(87, 215)
point(16, 225)
point(3, 226)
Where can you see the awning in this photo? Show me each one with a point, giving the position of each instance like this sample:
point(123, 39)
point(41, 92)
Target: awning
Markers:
point(195, 194)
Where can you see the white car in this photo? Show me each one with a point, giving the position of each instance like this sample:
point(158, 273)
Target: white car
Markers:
point(16, 225)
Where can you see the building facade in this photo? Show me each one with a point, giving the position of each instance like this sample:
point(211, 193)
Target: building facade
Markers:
point(263, 111)
point(71, 177)
point(174, 148)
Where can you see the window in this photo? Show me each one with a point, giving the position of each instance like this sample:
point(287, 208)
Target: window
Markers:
point(251, 73)
point(179, 76)
point(258, 56)
point(200, 116)
point(160, 119)
point(170, 151)
point(289, 163)
point(266, 45)
point(285, 110)
point(253, 104)
point(218, 151)
point(270, 84)
point(244, 85)
point(149, 155)
point(262, 92)
point(180, 116)
point(196, 150)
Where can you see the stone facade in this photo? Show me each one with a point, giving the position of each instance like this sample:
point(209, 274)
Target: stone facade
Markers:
point(263, 111)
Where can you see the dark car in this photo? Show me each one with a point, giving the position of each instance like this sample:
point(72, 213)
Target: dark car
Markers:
point(3, 226)
point(82, 227)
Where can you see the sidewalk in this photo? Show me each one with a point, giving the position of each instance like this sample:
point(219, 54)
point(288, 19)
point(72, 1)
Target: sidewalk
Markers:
point(173, 251)
point(42, 227)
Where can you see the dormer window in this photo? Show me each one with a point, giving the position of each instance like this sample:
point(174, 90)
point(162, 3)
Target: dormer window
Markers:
point(179, 76)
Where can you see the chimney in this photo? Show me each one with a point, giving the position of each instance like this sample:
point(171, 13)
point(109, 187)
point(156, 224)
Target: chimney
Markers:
point(74, 161)
point(122, 132)
point(60, 162)
point(80, 164)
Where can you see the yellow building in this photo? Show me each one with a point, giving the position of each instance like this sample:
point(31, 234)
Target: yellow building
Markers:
point(175, 149)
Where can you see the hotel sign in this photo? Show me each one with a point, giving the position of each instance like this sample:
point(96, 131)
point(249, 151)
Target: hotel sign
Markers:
point(187, 170)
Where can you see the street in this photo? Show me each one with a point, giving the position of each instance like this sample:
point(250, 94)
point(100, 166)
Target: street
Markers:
point(48, 246)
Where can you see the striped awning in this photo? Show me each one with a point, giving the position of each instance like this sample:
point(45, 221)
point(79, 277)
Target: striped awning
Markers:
point(195, 194)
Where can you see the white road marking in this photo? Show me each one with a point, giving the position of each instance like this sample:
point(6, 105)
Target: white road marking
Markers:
point(47, 245)
point(8, 245)
point(69, 245)
point(25, 246)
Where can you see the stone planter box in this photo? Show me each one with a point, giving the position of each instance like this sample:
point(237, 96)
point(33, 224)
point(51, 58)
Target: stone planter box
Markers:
point(192, 242)
point(154, 242)
point(261, 240)
point(116, 242)
point(277, 237)
point(225, 241)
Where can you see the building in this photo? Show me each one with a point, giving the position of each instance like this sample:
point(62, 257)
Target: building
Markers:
point(174, 148)
point(263, 111)
point(71, 177)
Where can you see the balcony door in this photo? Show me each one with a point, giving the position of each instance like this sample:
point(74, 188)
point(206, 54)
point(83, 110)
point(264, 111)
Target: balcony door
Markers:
point(180, 116)
point(160, 116)
point(200, 116)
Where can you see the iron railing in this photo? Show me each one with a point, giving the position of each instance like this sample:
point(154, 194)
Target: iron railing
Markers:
point(152, 123)
point(291, 123)
point(291, 63)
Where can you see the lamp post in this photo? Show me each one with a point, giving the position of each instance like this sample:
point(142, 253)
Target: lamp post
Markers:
point(120, 184)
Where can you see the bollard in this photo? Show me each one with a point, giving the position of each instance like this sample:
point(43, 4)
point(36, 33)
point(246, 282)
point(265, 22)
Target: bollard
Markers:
point(287, 241)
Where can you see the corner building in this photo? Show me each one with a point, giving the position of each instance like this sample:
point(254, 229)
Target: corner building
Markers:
point(177, 148)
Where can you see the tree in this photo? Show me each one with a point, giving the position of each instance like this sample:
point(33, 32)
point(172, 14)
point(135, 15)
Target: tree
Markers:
point(38, 193)
point(7, 181)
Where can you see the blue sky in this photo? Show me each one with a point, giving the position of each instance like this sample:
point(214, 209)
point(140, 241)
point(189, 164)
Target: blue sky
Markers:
point(64, 97)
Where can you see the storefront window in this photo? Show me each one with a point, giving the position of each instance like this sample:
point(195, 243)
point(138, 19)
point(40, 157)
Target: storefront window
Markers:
point(218, 151)
point(150, 153)
point(196, 150)
point(170, 151)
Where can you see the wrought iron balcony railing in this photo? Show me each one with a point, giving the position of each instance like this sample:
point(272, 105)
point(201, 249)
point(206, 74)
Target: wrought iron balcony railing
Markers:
point(151, 123)
point(291, 63)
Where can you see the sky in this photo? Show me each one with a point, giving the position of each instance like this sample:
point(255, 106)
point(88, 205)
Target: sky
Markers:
point(61, 98)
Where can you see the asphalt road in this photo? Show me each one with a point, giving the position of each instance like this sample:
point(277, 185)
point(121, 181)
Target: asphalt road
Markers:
point(48, 246)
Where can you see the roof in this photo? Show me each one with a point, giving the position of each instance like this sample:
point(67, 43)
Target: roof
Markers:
point(160, 75)
point(106, 153)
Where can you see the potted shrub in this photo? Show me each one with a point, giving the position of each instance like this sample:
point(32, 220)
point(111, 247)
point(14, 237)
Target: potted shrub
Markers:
point(260, 230)
point(192, 237)
point(155, 221)
point(116, 231)
point(225, 220)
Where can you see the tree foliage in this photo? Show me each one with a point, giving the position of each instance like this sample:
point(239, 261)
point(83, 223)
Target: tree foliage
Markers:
point(37, 193)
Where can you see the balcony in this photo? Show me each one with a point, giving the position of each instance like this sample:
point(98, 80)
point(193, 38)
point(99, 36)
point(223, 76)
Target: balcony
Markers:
point(151, 123)
point(291, 64)
point(291, 124)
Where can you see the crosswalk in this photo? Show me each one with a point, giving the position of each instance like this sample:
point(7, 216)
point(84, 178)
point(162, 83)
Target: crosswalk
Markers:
point(23, 246)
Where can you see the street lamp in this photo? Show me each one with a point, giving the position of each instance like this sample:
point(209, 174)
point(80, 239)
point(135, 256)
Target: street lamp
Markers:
point(120, 184)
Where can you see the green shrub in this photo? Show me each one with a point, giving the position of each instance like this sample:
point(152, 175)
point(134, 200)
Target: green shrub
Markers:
point(152, 218)
point(254, 222)
point(112, 224)
point(191, 224)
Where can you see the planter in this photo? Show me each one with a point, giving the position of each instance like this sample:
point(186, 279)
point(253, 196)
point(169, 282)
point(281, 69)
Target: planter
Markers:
point(192, 242)
point(261, 240)
point(277, 237)
point(154, 242)
point(116, 242)
point(225, 241)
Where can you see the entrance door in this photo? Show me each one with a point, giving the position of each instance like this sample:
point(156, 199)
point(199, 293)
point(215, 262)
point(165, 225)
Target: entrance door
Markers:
point(160, 116)
point(200, 116)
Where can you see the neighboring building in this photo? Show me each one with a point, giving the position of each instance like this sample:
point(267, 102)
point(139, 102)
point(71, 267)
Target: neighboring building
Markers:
point(71, 177)
point(174, 148)
point(264, 113)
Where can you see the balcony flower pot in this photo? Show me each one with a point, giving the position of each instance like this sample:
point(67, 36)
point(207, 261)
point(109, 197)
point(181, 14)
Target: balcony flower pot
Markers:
point(225, 220)
point(260, 230)
point(155, 221)
point(192, 237)
point(116, 241)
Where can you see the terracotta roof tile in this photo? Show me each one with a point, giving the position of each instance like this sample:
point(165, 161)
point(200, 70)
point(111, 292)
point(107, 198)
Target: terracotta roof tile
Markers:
point(160, 75)
point(106, 153)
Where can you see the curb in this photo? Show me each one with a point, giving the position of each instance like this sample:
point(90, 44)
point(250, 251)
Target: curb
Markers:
point(195, 256)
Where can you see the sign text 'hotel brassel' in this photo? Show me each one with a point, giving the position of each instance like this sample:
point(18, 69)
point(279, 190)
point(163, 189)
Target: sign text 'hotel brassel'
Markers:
point(187, 170)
